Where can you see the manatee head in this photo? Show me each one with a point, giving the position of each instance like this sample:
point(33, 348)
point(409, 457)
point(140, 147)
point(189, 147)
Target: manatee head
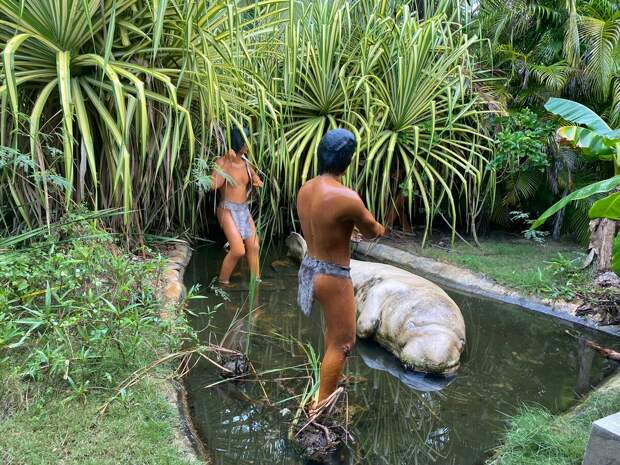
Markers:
point(433, 349)
point(296, 246)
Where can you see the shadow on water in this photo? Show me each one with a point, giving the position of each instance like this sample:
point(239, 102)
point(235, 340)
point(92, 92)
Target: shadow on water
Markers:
point(396, 417)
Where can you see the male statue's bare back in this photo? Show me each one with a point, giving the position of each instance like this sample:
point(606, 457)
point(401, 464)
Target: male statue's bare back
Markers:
point(327, 212)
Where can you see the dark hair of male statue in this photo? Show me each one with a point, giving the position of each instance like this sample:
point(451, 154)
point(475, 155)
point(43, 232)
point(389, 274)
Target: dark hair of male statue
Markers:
point(335, 151)
point(237, 141)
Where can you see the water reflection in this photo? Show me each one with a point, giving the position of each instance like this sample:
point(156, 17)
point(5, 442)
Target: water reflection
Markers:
point(378, 358)
point(396, 417)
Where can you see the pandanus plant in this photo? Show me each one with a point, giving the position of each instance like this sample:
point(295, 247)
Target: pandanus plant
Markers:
point(596, 141)
point(129, 90)
point(404, 85)
point(127, 94)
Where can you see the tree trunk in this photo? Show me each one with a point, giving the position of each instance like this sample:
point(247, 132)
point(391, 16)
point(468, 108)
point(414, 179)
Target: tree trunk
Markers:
point(558, 223)
point(602, 234)
point(397, 212)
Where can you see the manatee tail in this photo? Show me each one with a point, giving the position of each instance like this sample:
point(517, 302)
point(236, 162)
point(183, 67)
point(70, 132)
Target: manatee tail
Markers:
point(296, 244)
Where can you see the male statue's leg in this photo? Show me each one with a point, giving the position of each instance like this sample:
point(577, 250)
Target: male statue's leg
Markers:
point(338, 303)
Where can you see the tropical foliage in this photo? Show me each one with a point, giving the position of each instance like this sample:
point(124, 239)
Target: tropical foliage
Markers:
point(76, 311)
point(555, 47)
point(116, 98)
point(541, 49)
point(520, 159)
point(125, 103)
point(131, 106)
point(596, 141)
point(404, 85)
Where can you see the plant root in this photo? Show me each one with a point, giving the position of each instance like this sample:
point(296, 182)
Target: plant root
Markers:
point(235, 365)
point(322, 435)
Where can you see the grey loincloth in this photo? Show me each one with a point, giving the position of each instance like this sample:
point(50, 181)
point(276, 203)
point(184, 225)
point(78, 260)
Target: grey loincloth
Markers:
point(308, 270)
point(241, 216)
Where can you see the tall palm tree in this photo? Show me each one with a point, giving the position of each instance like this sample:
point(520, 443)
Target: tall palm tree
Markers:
point(556, 47)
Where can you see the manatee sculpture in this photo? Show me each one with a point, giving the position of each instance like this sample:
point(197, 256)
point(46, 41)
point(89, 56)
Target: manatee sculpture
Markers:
point(408, 315)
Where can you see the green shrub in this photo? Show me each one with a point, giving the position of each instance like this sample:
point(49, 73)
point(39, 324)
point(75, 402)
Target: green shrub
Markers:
point(521, 144)
point(77, 311)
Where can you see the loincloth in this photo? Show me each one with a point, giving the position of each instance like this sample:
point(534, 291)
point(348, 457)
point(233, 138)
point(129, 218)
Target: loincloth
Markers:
point(241, 216)
point(310, 267)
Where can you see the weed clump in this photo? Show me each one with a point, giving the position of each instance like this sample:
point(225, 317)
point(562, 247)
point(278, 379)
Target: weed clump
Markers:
point(235, 365)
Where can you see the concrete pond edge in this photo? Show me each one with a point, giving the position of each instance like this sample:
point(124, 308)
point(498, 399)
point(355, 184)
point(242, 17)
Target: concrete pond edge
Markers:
point(186, 435)
point(470, 283)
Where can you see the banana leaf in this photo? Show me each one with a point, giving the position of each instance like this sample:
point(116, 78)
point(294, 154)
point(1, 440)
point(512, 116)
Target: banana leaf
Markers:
point(592, 145)
point(609, 207)
point(600, 187)
point(577, 113)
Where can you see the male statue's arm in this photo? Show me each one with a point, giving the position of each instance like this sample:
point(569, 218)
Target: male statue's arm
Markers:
point(365, 222)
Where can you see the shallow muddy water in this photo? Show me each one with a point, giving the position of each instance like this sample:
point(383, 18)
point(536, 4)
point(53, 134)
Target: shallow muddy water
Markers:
point(512, 357)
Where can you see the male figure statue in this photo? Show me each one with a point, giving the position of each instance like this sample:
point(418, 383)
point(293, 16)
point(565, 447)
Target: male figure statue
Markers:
point(329, 212)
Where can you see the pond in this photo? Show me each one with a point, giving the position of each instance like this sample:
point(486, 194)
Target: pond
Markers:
point(512, 358)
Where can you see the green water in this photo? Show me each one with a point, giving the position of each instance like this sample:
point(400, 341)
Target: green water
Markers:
point(512, 357)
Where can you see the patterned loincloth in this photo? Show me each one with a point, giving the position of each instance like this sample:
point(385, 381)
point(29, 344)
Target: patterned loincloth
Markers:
point(308, 270)
point(241, 216)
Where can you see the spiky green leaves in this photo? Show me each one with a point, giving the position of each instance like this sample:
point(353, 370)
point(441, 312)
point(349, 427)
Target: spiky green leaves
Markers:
point(404, 87)
point(125, 88)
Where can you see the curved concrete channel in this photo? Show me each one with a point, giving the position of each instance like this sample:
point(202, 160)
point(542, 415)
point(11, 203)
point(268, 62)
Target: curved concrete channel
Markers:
point(188, 441)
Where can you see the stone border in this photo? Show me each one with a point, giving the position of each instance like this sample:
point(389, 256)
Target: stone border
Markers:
point(177, 260)
point(468, 282)
point(604, 441)
point(174, 291)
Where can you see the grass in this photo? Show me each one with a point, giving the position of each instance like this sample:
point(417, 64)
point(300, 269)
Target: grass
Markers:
point(536, 437)
point(547, 270)
point(137, 430)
